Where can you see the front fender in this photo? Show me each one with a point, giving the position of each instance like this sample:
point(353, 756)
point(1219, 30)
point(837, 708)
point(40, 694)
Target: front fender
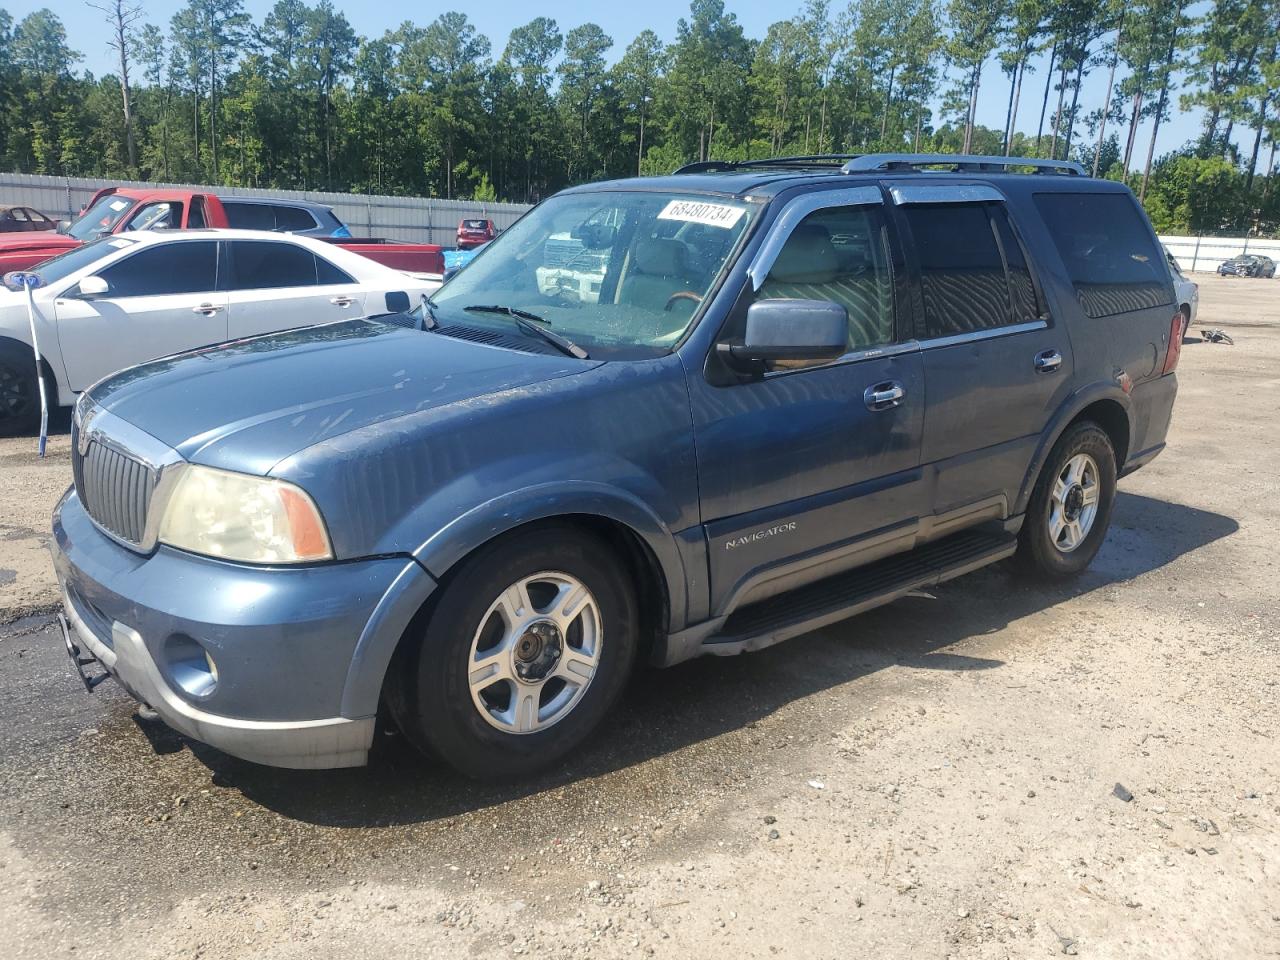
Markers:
point(1070, 409)
point(477, 526)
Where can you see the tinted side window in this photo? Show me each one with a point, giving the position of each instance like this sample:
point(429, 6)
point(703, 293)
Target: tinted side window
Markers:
point(326, 272)
point(195, 219)
point(184, 267)
point(961, 269)
point(294, 218)
point(839, 254)
point(250, 216)
point(1022, 290)
point(157, 216)
point(262, 264)
point(1108, 251)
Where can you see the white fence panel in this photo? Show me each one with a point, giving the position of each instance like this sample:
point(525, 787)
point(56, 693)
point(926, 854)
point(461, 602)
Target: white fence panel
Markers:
point(423, 219)
point(1205, 253)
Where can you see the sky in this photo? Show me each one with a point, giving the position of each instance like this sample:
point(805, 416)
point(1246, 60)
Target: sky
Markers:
point(496, 18)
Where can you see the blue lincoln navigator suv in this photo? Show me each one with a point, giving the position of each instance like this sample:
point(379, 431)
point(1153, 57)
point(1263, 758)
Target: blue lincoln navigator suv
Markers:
point(657, 418)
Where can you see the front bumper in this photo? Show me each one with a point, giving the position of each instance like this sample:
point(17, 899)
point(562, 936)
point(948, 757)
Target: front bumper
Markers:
point(299, 653)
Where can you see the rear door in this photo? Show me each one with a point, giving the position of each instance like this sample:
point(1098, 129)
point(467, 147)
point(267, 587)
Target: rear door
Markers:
point(161, 300)
point(996, 365)
point(813, 468)
point(278, 285)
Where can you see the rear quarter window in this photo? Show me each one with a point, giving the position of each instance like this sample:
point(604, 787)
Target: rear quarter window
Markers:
point(294, 218)
point(1108, 250)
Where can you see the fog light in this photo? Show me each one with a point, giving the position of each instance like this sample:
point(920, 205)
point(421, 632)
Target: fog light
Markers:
point(190, 666)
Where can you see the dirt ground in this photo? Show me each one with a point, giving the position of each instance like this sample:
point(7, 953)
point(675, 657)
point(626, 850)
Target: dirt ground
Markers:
point(938, 778)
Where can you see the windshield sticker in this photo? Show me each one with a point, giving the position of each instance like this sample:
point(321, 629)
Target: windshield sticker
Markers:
point(711, 214)
point(118, 204)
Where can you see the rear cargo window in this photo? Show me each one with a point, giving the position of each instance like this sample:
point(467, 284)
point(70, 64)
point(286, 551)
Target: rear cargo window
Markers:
point(1108, 251)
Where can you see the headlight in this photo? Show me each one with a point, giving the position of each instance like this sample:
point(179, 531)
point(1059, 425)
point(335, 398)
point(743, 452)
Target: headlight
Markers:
point(233, 516)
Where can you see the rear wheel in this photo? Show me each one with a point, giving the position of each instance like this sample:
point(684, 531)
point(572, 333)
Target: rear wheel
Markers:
point(528, 645)
point(1070, 507)
point(19, 392)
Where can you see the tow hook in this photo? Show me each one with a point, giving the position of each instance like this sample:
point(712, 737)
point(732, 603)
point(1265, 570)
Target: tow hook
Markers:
point(79, 658)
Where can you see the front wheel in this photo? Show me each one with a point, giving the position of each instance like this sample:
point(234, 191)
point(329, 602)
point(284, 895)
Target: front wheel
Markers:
point(19, 391)
point(528, 645)
point(1070, 507)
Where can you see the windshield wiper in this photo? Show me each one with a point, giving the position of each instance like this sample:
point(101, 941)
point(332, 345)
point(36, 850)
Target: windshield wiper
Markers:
point(526, 322)
point(509, 311)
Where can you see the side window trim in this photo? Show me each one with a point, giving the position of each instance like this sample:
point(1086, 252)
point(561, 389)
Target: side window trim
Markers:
point(792, 216)
point(948, 193)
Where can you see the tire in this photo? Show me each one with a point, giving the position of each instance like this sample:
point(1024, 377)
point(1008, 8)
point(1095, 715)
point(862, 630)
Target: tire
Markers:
point(476, 731)
point(19, 392)
point(1045, 549)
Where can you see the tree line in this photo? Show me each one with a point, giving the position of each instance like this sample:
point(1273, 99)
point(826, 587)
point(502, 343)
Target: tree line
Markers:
point(300, 101)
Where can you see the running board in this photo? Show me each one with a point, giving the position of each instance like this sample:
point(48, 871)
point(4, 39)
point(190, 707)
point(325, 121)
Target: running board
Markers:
point(771, 621)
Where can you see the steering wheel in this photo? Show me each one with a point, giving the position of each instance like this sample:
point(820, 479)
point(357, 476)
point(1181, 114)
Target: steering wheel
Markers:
point(683, 295)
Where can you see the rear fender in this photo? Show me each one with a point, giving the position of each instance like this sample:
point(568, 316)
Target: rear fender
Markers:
point(1070, 409)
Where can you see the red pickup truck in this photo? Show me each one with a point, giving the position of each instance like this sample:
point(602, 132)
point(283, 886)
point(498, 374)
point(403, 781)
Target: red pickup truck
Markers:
point(117, 210)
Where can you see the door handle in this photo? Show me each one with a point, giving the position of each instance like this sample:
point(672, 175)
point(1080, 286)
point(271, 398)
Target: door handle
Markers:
point(1048, 361)
point(208, 309)
point(342, 301)
point(883, 396)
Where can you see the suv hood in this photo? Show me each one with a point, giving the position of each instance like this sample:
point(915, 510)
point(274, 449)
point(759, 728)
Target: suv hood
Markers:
point(248, 404)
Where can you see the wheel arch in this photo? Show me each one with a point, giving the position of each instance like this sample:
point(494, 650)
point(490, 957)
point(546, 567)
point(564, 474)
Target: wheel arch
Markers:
point(1105, 404)
point(53, 385)
point(630, 525)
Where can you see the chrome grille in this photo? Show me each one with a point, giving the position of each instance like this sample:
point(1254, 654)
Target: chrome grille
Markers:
point(114, 488)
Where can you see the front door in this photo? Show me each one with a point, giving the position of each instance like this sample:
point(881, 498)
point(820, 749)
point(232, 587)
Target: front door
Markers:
point(278, 285)
point(161, 300)
point(996, 366)
point(812, 469)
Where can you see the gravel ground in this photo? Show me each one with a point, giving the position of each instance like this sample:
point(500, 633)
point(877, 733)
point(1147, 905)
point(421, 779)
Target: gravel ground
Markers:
point(994, 771)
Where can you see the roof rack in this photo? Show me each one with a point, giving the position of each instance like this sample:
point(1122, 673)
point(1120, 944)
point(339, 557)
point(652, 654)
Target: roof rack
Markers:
point(958, 162)
point(883, 162)
point(814, 161)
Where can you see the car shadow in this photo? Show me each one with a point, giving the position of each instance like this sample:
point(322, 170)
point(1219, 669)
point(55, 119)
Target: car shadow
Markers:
point(664, 711)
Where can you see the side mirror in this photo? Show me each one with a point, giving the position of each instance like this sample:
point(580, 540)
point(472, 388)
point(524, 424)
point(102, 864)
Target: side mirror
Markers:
point(790, 330)
point(91, 287)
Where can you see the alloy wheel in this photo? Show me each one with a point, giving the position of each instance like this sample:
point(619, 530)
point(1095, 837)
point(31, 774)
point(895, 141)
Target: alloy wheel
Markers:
point(535, 652)
point(1073, 502)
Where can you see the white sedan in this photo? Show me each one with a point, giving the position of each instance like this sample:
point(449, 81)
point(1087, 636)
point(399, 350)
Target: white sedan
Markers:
point(125, 299)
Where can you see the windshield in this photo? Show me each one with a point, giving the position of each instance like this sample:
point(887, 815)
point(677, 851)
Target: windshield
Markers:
point(101, 218)
point(620, 273)
point(64, 265)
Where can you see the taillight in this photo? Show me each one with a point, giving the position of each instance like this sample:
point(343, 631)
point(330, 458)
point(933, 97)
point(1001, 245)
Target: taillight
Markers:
point(1175, 344)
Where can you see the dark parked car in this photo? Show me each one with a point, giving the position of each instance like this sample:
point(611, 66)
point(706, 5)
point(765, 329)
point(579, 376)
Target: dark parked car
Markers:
point(1248, 265)
point(475, 233)
point(803, 388)
point(283, 216)
point(24, 220)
